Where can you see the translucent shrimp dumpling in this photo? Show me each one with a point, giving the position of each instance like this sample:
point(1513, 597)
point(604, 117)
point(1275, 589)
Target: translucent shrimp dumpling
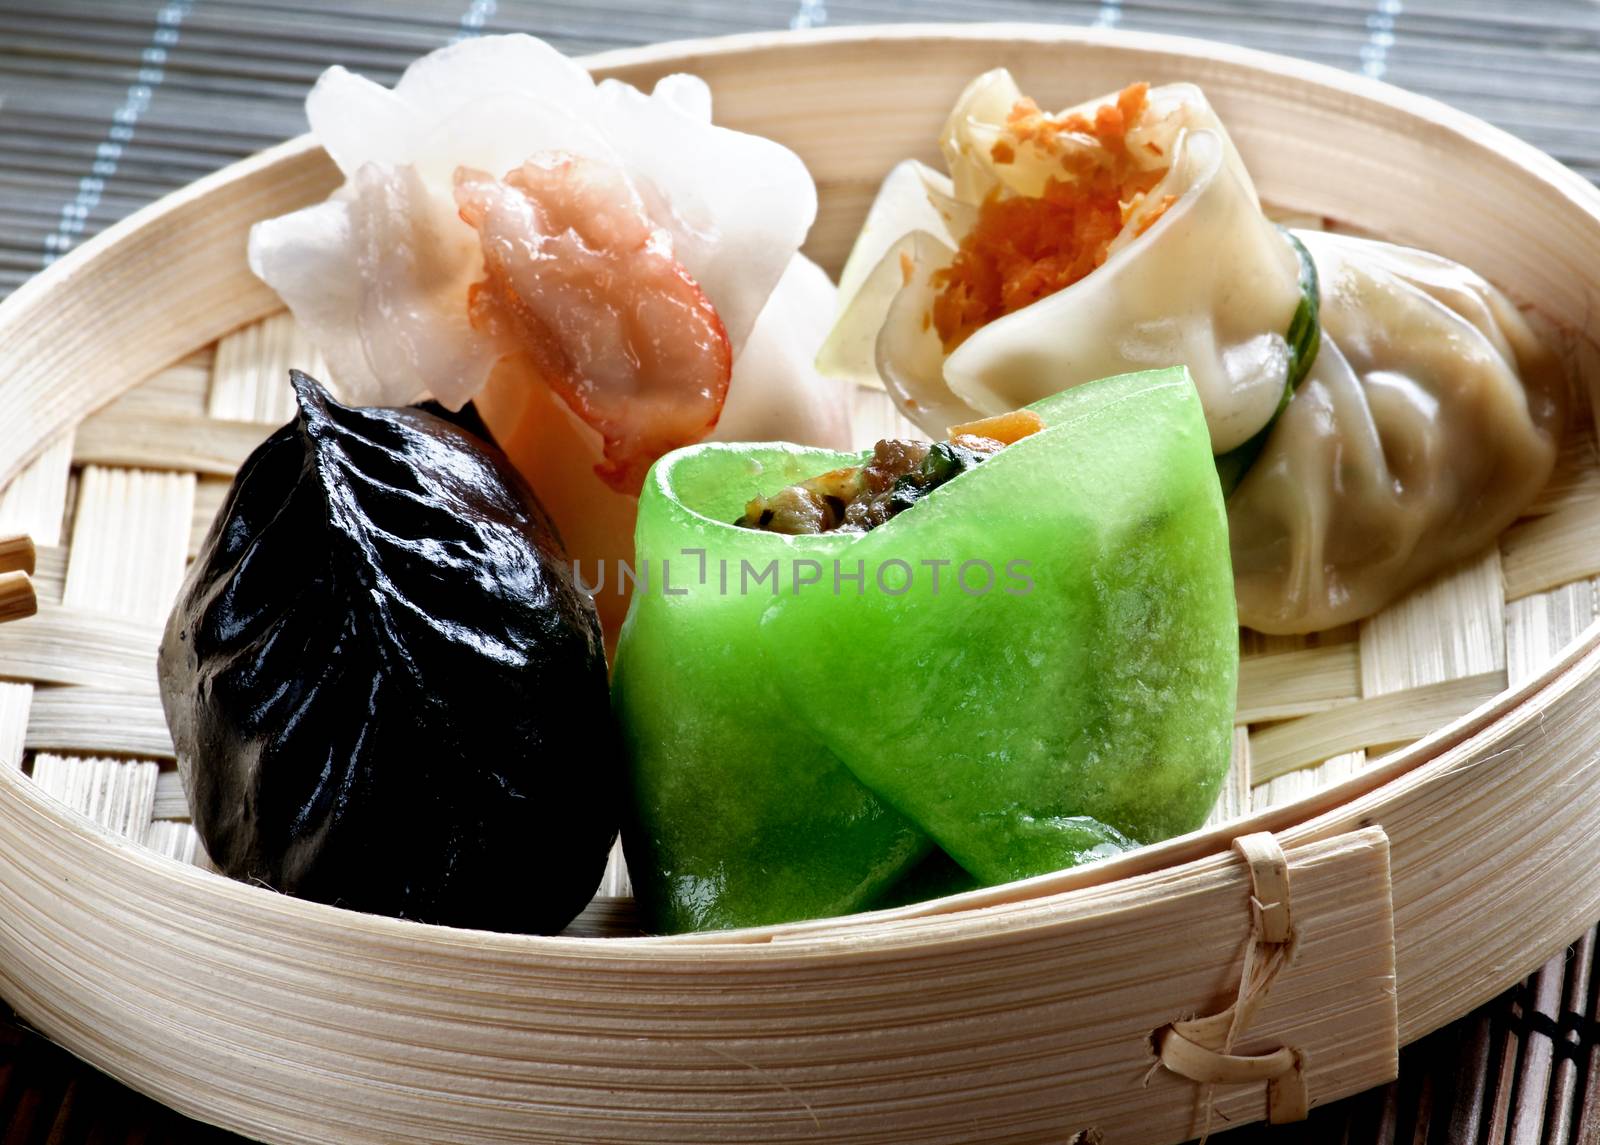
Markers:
point(590, 263)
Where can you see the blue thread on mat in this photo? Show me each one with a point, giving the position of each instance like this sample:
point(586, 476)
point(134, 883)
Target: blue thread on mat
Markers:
point(135, 101)
point(478, 13)
point(811, 14)
point(1380, 38)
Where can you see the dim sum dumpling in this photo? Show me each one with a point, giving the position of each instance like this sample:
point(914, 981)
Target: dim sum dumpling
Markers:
point(599, 269)
point(1429, 419)
point(379, 273)
point(1212, 284)
point(1430, 414)
point(1193, 272)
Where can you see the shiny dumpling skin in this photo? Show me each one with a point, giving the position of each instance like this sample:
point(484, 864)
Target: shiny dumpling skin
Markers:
point(774, 394)
point(1429, 420)
point(910, 208)
point(385, 688)
point(1212, 283)
point(378, 273)
point(974, 126)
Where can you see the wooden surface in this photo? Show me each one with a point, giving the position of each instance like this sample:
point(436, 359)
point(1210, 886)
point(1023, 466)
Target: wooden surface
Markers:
point(1506, 1075)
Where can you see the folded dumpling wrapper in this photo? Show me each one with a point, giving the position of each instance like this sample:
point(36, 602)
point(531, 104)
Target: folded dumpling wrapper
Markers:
point(742, 815)
point(1429, 419)
point(796, 748)
point(1212, 283)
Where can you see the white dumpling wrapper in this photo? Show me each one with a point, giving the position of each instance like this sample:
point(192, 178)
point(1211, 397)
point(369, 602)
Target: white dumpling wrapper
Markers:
point(378, 279)
point(977, 122)
point(372, 273)
point(1429, 419)
point(776, 393)
point(913, 197)
point(1211, 284)
point(913, 194)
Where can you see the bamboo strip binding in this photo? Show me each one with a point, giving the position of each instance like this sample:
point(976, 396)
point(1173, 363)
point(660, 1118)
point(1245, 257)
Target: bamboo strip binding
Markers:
point(1201, 1049)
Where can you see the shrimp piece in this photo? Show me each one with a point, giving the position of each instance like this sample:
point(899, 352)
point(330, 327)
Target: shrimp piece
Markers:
point(580, 282)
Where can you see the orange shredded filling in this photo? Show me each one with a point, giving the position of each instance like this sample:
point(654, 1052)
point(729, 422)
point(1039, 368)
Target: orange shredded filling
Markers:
point(1022, 249)
point(1006, 428)
point(1150, 219)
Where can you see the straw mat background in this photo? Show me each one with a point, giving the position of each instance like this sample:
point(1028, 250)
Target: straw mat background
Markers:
point(106, 105)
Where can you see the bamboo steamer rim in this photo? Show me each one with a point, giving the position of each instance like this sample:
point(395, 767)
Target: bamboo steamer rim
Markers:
point(42, 365)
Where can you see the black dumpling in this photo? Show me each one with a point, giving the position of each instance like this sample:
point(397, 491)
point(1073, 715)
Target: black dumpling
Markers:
point(385, 689)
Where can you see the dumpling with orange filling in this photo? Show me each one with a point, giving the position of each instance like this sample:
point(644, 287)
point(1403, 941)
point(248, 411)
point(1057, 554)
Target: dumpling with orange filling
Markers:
point(1117, 235)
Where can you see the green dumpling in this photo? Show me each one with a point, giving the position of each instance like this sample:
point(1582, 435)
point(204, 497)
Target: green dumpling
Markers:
point(741, 816)
point(1064, 690)
point(1086, 698)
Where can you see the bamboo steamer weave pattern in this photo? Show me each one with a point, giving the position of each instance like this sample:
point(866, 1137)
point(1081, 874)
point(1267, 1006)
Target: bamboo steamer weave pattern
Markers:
point(123, 479)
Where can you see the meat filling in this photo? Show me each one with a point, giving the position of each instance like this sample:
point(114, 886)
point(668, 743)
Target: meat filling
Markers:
point(901, 472)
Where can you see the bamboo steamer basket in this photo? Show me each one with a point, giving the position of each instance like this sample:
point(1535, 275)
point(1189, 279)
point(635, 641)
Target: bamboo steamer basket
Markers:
point(1417, 796)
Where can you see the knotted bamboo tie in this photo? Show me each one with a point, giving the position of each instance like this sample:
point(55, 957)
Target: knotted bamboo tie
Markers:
point(1201, 1049)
